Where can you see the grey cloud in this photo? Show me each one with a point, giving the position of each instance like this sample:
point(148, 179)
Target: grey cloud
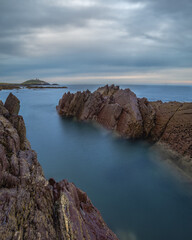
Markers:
point(157, 35)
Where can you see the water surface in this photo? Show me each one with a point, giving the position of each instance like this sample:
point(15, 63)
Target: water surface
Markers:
point(139, 197)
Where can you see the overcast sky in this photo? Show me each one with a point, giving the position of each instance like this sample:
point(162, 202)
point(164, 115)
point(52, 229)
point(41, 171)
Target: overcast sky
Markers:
point(95, 41)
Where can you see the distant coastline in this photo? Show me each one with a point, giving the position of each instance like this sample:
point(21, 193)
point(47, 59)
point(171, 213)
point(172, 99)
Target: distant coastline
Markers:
point(31, 84)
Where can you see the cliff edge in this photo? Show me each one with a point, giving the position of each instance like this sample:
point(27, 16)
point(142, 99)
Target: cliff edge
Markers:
point(32, 207)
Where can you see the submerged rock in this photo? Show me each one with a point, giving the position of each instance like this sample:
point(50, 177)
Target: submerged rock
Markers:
point(168, 124)
point(32, 207)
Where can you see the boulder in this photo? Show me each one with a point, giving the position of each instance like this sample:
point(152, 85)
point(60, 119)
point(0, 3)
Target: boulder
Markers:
point(12, 104)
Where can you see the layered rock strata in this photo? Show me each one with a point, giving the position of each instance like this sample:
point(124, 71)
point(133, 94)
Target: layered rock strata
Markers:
point(32, 207)
point(168, 124)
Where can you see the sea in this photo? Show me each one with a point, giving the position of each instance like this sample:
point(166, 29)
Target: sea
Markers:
point(140, 196)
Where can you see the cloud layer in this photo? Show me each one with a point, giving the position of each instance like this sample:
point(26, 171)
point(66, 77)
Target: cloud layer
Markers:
point(55, 38)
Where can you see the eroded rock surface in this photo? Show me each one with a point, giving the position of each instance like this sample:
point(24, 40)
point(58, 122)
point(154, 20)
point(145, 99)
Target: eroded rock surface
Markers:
point(32, 207)
point(120, 110)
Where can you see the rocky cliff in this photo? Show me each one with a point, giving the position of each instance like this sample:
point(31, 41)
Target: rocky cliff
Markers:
point(168, 124)
point(32, 207)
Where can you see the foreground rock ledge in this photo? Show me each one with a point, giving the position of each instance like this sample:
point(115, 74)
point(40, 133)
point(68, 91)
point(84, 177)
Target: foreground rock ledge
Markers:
point(32, 207)
point(166, 124)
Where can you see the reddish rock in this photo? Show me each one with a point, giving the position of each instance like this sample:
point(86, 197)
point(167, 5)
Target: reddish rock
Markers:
point(163, 113)
point(130, 121)
point(92, 106)
point(129, 127)
point(12, 104)
point(108, 116)
point(120, 110)
point(76, 212)
point(3, 110)
point(30, 206)
point(108, 90)
point(148, 116)
point(113, 108)
point(19, 124)
point(72, 104)
point(178, 131)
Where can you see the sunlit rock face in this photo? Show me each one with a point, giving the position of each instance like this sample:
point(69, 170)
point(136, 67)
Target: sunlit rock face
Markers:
point(30, 206)
point(168, 124)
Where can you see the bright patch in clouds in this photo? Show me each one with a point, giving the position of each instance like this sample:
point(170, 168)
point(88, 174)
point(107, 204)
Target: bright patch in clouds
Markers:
point(73, 3)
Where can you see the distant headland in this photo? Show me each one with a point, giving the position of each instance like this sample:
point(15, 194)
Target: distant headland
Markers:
point(35, 82)
point(32, 83)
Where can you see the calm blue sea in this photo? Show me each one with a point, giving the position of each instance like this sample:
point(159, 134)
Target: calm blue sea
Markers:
point(139, 197)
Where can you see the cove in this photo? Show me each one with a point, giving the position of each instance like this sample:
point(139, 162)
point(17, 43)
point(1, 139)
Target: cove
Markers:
point(138, 197)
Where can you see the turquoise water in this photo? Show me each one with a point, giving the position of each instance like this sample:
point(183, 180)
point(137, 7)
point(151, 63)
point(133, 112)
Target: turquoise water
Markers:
point(139, 197)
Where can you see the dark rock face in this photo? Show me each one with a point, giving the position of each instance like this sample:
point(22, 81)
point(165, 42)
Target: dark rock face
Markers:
point(120, 110)
point(32, 207)
point(12, 104)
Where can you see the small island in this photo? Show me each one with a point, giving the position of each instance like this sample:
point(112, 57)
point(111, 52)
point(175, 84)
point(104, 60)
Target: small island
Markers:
point(32, 83)
point(35, 82)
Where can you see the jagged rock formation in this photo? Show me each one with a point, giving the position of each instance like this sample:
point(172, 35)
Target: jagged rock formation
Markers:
point(32, 207)
point(120, 110)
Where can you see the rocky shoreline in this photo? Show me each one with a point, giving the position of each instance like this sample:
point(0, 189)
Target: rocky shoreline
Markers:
point(32, 207)
point(21, 86)
point(168, 125)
